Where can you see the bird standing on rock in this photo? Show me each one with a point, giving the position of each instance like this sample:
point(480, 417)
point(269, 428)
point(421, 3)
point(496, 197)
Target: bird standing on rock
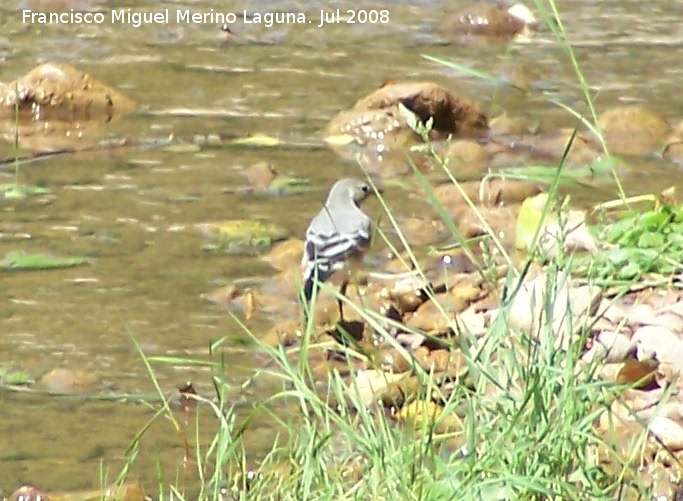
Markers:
point(339, 233)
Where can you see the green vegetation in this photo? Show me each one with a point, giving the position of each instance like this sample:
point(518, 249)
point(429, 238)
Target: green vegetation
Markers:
point(17, 189)
point(544, 174)
point(241, 236)
point(12, 378)
point(644, 243)
point(18, 260)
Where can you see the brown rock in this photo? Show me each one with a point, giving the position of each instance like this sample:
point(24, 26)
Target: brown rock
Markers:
point(552, 145)
point(59, 108)
point(57, 91)
point(378, 126)
point(442, 267)
point(466, 159)
point(392, 360)
point(392, 155)
point(403, 293)
point(223, 296)
point(383, 138)
point(285, 255)
point(397, 393)
point(68, 381)
point(640, 374)
point(28, 493)
point(283, 334)
point(272, 305)
point(260, 175)
point(322, 362)
point(452, 114)
point(446, 363)
point(504, 125)
point(490, 192)
point(436, 317)
point(673, 152)
point(372, 124)
point(673, 145)
point(421, 231)
point(327, 313)
point(632, 130)
point(501, 220)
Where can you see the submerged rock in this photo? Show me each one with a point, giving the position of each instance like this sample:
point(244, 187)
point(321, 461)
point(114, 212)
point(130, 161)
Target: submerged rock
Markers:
point(632, 130)
point(286, 255)
point(263, 179)
point(576, 148)
point(68, 381)
point(241, 236)
point(505, 125)
point(467, 158)
point(486, 20)
point(260, 175)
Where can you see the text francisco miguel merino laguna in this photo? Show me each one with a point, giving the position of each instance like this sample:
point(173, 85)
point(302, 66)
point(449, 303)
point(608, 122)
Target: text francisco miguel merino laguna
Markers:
point(137, 19)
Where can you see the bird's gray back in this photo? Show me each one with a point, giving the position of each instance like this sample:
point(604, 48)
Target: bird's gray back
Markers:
point(348, 220)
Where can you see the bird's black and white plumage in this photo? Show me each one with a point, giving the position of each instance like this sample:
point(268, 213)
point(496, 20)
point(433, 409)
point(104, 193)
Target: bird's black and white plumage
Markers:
point(339, 231)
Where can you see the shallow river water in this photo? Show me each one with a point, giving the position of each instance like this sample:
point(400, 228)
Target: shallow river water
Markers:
point(133, 210)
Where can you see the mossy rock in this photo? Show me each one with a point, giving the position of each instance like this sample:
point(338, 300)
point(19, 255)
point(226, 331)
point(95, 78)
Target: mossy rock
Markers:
point(242, 236)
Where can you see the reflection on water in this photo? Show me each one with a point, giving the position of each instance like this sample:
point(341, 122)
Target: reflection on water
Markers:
point(134, 210)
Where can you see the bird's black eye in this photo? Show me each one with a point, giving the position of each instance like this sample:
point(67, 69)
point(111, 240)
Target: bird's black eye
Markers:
point(365, 188)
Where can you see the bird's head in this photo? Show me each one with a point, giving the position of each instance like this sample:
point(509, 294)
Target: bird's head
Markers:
point(350, 188)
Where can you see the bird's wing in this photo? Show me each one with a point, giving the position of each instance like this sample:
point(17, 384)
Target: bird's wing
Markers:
point(334, 246)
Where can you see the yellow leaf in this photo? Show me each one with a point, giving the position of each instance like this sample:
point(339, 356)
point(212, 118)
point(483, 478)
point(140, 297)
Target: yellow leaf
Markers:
point(257, 140)
point(340, 140)
point(530, 214)
point(417, 411)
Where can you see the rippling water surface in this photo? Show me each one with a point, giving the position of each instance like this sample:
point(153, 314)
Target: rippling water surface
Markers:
point(133, 209)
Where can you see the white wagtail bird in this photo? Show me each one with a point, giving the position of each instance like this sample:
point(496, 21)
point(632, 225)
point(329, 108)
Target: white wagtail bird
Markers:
point(339, 233)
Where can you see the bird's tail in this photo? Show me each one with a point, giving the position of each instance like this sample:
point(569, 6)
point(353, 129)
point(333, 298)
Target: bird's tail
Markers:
point(309, 282)
point(309, 279)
